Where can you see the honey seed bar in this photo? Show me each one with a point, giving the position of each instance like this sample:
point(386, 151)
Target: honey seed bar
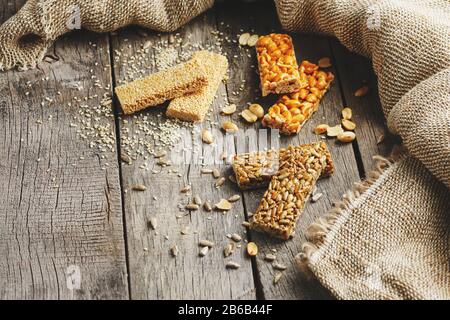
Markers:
point(288, 190)
point(255, 169)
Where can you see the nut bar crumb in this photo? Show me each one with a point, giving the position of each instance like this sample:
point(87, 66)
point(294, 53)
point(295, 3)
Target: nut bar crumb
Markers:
point(291, 111)
point(288, 190)
point(255, 170)
point(194, 107)
point(156, 88)
point(278, 68)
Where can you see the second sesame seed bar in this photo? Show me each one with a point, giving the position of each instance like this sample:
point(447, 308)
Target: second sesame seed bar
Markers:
point(278, 68)
point(292, 110)
point(165, 85)
point(255, 170)
point(289, 189)
point(194, 107)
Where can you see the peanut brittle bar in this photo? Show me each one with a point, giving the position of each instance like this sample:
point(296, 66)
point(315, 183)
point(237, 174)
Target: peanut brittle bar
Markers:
point(156, 88)
point(194, 107)
point(292, 110)
point(289, 189)
point(255, 169)
point(278, 68)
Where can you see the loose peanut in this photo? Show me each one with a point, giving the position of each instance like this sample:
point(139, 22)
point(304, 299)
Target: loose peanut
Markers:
point(361, 91)
point(321, 129)
point(229, 109)
point(346, 136)
point(257, 110)
point(249, 116)
point(324, 62)
point(348, 124)
point(230, 127)
point(243, 39)
point(207, 137)
point(346, 113)
point(334, 131)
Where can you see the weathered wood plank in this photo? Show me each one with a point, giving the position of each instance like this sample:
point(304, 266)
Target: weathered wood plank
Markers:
point(262, 19)
point(58, 207)
point(355, 71)
point(154, 273)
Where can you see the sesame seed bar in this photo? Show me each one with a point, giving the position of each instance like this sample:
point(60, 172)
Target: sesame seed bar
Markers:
point(156, 88)
point(195, 106)
point(288, 190)
point(277, 64)
point(255, 170)
point(291, 111)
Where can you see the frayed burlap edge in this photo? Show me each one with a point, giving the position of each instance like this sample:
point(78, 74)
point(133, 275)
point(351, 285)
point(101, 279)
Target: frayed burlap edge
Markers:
point(321, 233)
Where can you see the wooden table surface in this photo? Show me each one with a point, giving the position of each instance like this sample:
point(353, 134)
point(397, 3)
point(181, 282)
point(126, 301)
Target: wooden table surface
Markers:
point(66, 207)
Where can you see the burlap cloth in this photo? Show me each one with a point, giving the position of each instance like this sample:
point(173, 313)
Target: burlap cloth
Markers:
point(389, 238)
point(25, 37)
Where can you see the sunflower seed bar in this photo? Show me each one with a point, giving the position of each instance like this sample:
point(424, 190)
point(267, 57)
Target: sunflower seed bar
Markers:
point(288, 190)
point(156, 88)
point(291, 111)
point(255, 169)
point(278, 68)
point(193, 107)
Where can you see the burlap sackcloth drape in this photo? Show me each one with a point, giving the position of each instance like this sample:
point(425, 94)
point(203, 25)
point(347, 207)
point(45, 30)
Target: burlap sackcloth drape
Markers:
point(390, 236)
point(25, 37)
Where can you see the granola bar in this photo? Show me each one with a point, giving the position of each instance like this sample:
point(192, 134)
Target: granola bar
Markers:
point(278, 68)
point(156, 88)
point(255, 170)
point(193, 107)
point(291, 111)
point(288, 190)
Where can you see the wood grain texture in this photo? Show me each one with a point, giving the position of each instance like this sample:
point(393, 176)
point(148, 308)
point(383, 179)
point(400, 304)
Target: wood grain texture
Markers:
point(155, 274)
point(293, 284)
point(355, 71)
point(56, 209)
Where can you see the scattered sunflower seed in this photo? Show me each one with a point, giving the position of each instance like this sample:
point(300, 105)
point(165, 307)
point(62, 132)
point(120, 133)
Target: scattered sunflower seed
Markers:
point(234, 198)
point(279, 266)
point(277, 277)
point(185, 231)
point(153, 223)
point(174, 250)
point(139, 187)
point(185, 189)
point(229, 249)
point(270, 257)
point(203, 251)
point(125, 158)
point(232, 265)
point(206, 171)
point(192, 206)
point(316, 197)
point(236, 237)
point(220, 182)
point(207, 206)
point(206, 243)
point(197, 200)
point(216, 173)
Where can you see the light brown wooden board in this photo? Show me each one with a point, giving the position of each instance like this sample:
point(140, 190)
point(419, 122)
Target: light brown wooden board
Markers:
point(293, 284)
point(155, 274)
point(55, 214)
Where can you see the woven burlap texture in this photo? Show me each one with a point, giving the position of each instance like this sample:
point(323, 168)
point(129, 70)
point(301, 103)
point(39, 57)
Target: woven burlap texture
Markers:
point(26, 36)
point(389, 238)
